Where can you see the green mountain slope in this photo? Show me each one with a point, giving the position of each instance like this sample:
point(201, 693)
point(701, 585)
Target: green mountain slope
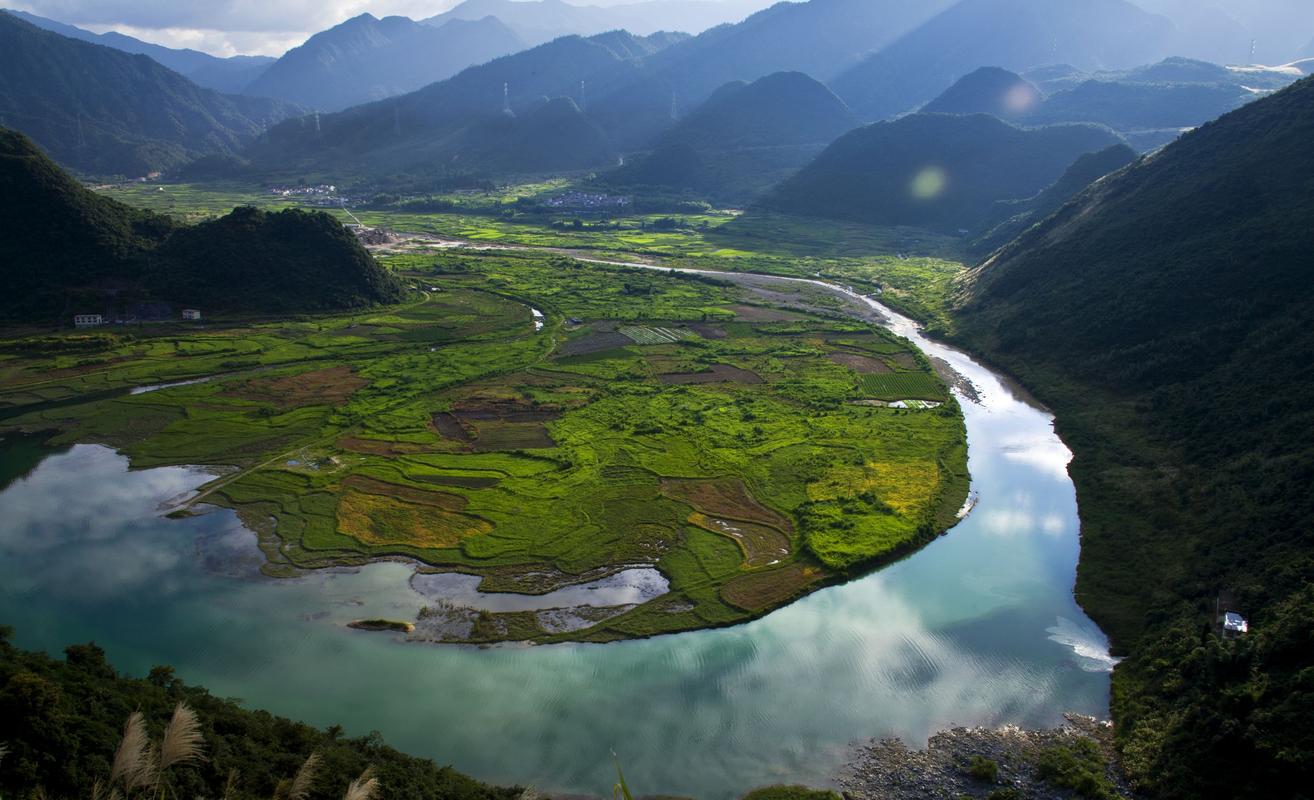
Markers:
point(229, 75)
point(106, 112)
point(67, 250)
point(743, 140)
point(366, 59)
point(1013, 34)
point(1010, 218)
point(61, 721)
point(1167, 315)
point(934, 170)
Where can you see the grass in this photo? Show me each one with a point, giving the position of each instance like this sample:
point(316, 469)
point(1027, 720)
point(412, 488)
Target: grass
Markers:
point(449, 431)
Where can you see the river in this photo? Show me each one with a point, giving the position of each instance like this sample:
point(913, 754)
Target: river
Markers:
point(980, 627)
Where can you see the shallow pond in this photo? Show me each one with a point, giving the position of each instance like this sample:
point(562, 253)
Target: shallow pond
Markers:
point(978, 628)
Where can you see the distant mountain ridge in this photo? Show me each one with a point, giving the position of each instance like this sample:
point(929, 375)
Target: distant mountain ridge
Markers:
point(106, 112)
point(1013, 34)
point(936, 171)
point(229, 75)
point(540, 21)
point(366, 59)
point(65, 250)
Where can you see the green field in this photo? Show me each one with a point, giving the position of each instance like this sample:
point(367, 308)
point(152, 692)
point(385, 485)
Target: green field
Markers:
point(657, 428)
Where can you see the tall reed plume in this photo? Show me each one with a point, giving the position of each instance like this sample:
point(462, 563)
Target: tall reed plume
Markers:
point(364, 787)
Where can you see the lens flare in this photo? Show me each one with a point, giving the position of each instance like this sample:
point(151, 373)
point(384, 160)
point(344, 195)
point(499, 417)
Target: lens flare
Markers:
point(929, 183)
point(1020, 99)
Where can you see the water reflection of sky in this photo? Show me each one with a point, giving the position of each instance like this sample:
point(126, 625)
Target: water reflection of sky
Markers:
point(978, 628)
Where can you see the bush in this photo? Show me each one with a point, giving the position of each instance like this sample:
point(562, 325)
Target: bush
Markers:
point(1079, 767)
point(983, 769)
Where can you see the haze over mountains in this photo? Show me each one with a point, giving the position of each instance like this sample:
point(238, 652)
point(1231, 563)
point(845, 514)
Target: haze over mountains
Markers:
point(105, 112)
point(545, 20)
point(230, 75)
point(366, 59)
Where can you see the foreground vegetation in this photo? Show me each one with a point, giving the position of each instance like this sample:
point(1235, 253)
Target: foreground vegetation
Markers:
point(748, 453)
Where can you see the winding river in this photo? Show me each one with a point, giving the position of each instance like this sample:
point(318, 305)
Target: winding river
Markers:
point(980, 627)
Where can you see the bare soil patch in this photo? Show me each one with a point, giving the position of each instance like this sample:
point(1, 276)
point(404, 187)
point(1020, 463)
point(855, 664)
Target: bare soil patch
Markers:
point(595, 342)
point(766, 589)
point(747, 313)
point(865, 365)
point(375, 447)
point(331, 387)
point(718, 373)
point(368, 485)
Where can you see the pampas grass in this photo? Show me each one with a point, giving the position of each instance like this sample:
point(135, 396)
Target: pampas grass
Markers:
point(364, 787)
point(134, 761)
point(620, 790)
point(182, 740)
point(305, 778)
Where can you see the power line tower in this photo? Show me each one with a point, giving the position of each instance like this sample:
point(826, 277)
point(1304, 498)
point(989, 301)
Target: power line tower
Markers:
point(506, 99)
point(396, 121)
point(583, 99)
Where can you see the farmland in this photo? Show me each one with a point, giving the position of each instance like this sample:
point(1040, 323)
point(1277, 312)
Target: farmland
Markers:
point(745, 450)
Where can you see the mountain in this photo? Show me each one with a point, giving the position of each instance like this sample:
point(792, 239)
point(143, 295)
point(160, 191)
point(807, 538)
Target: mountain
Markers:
point(540, 21)
point(1166, 315)
point(1009, 218)
point(106, 112)
point(783, 109)
point(465, 124)
point(988, 90)
point(1148, 105)
point(745, 138)
point(934, 170)
point(366, 59)
point(92, 253)
point(1012, 34)
point(228, 75)
point(820, 38)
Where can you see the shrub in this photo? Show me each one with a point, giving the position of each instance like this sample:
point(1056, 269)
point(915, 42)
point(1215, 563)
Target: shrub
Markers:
point(1079, 767)
point(983, 769)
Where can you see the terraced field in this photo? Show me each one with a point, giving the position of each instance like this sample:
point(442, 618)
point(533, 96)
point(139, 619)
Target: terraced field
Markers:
point(675, 423)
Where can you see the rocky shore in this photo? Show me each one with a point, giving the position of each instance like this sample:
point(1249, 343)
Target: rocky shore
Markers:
point(889, 770)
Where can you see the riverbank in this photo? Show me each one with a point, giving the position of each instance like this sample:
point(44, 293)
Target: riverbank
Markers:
point(1073, 760)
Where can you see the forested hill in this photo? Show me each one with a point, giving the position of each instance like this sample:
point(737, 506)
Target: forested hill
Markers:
point(1167, 315)
point(60, 722)
point(934, 170)
point(106, 112)
point(66, 250)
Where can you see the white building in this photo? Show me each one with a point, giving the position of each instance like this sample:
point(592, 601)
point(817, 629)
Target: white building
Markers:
point(88, 320)
point(1235, 623)
point(191, 314)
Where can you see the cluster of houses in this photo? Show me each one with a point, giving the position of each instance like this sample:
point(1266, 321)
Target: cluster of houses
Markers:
point(587, 201)
point(302, 191)
point(145, 314)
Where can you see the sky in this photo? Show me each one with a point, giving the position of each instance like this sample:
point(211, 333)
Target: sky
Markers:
point(230, 27)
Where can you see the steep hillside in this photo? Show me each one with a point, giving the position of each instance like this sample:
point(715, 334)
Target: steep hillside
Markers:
point(1167, 316)
point(366, 59)
point(1013, 34)
point(103, 111)
point(988, 90)
point(934, 170)
point(228, 75)
point(65, 249)
point(1010, 218)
